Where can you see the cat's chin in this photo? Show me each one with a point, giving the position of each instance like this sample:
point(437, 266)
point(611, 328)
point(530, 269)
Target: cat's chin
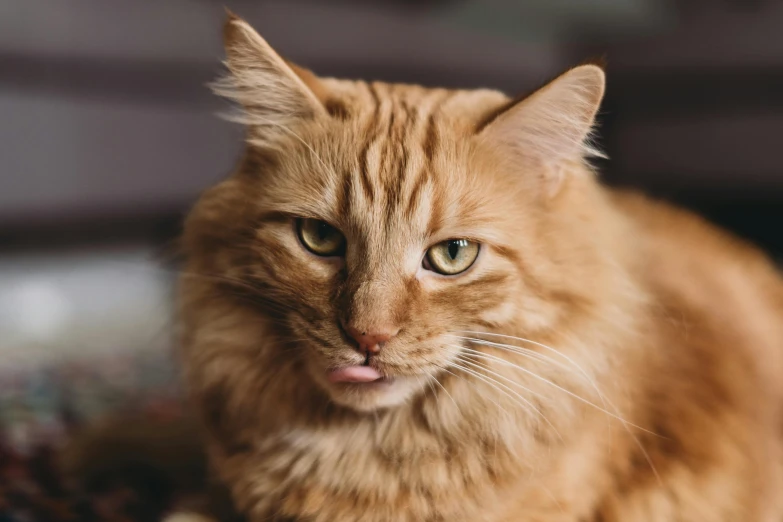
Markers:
point(370, 396)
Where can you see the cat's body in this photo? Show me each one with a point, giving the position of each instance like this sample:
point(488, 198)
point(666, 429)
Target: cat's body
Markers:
point(603, 358)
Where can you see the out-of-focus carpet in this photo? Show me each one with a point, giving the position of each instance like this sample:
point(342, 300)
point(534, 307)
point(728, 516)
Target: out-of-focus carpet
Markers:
point(41, 409)
point(86, 336)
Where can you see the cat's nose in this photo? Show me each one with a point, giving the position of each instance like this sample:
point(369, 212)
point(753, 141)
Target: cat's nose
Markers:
point(371, 341)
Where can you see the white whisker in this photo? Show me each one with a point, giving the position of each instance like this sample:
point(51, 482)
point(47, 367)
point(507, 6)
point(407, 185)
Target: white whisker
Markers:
point(547, 381)
point(429, 385)
point(511, 392)
point(521, 351)
point(525, 351)
point(499, 407)
point(456, 406)
point(545, 347)
point(512, 381)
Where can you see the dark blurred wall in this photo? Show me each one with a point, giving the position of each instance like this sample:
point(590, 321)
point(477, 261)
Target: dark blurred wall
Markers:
point(694, 113)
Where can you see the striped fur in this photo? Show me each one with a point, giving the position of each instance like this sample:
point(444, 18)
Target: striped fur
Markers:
point(641, 401)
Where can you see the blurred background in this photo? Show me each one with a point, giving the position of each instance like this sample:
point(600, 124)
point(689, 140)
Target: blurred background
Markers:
point(108, 133)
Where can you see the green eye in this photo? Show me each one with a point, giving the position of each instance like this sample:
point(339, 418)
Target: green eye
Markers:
point(453, 256)
point(320, 238)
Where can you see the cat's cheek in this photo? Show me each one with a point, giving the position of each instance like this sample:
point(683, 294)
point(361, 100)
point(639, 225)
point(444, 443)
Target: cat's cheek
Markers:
point(536, 313)
point(320, 270)
point(502, 314)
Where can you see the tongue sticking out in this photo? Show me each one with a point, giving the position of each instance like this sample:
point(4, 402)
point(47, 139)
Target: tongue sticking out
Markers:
point(355, 374)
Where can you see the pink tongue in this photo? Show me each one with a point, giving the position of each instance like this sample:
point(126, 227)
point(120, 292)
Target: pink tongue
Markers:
point(355, 374)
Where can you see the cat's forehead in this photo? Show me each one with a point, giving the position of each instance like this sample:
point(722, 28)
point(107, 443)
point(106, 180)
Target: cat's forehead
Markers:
point(401, 166)
point(394, 159)
point(360, 100)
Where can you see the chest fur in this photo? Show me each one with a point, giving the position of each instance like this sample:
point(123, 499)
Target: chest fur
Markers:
point(357, 475)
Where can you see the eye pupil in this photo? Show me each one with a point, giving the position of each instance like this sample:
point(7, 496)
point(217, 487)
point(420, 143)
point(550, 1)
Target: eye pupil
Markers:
point(323, 230)
point(453, 249)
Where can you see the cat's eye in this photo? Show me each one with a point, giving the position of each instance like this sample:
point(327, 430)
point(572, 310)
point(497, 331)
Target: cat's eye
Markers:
point(320, 238)
point(452, 256)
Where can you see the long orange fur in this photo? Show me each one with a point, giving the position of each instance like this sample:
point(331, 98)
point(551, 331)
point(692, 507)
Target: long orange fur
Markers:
point(607, 358)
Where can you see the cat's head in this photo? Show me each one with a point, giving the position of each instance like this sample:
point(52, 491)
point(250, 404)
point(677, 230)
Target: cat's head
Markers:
point(379, 224)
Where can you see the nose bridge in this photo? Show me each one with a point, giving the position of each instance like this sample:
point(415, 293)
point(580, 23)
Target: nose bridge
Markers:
point(374, 293)
point(373, 298)
point(371, 301)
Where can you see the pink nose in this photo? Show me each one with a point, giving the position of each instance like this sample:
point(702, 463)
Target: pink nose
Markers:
point(371, 341)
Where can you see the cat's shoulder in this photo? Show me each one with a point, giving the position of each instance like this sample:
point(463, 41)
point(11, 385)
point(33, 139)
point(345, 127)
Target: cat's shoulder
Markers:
point(678, 233)
point(712, 288)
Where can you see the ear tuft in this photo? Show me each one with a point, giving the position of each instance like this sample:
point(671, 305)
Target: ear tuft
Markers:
point(273, 97)
point(600, 61)
point(230, 16)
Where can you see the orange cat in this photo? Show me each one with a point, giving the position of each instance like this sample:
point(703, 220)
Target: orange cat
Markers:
point(413, 304)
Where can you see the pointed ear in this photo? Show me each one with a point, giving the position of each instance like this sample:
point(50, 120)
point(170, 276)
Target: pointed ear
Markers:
point(269, 90)
point(553, 124)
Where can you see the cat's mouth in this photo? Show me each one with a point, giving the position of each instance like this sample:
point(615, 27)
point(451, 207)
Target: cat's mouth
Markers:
point(366, 387)
point(364, 374)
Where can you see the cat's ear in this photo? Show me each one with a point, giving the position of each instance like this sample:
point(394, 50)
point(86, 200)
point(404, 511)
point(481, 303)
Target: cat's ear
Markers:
point(273, 93)
point(552, 125)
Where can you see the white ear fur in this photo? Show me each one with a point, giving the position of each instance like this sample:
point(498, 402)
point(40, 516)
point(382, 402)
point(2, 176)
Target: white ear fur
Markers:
point(554, 123)
point(272, 95)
